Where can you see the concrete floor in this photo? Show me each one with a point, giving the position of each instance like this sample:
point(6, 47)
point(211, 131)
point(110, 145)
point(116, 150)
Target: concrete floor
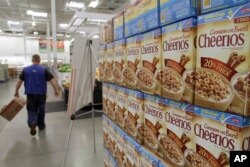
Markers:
point(47, 148)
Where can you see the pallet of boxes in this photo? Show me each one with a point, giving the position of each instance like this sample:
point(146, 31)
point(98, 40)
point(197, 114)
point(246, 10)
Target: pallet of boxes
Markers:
point(176, 89)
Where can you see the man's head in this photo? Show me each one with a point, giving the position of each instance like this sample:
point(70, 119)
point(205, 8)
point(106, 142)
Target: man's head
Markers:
point(36, 59)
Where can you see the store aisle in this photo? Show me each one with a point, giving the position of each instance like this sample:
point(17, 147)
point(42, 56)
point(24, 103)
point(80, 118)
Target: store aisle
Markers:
point(47, 148)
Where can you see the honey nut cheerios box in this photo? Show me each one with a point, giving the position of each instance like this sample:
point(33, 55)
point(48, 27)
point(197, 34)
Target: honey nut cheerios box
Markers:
point(172, 10)
point(150, 62)
point(132, 152)
point(133, 55)
point(105, 97)
point(154, 122)
point(134, 117)
point(178, 138)
point(119, 26)
point(102, 61)
point(223, 48)
point(214, 5)
point(178, 60)
point(111, 104)
point(121, 106)
point(215, 135)
point(120, 150)
point(109, 77)
point(119, 62)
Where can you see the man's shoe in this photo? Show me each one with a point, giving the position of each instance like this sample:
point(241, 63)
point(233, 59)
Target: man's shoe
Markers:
point(33, 130)
point(42, 128)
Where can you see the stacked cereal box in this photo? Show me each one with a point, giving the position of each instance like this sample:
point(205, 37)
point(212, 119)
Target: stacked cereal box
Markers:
point(111, 104)
point(154, 122)
point(133, 50)
point(223, 46)
point(179, 132)
point(216, 134)
point(147, 159)
point(130, 16)
point(119, 26)
point(172, 10)
point(102, 61)
point(109, 63)
point(132, 152)
point(121, 106)
point(106, 158)
point(150, 62)
point(120, 151)
point(134, 117)
point(149, 15)
point(105, 131)
point(213, 5)
point(178, 60)
point(119, 62)
point(105, 97)
point(106, 32)
point(112, 138)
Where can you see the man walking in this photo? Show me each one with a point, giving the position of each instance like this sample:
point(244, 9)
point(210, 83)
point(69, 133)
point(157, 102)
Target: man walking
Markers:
point(35, 79)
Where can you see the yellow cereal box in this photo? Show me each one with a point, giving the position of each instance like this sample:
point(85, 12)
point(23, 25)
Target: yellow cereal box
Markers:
point(223, 48)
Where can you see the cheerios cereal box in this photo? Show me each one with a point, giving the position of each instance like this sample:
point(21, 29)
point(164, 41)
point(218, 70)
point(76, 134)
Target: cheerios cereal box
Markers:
point(119, 26)
point(112, 138)
point(119, 62)
point(106, 158)
point(147, 158)
point(120, 151)
point(179, 118)
point(178, 60)
point(109, 77)
point(105, 131)
point(223, 48)
point(105, 97)
point(154, 121)
point(121, 106)
point(214, 5)
point(172, 11)
point(102, 61)
point(215, 135)
point(132, 152)
point(149, 17)
point(134, 117)
point(133, 55)
point(112, 101)
point(150, 62)
point(131, 18)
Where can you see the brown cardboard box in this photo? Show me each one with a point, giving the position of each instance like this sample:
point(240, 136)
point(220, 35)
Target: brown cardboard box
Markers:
point(12, 109)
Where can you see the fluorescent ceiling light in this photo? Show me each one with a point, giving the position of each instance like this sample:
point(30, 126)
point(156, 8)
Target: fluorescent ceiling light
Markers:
point(78, 21)
point(37, 14)
point(95, 36)
point(13, 23)
point(33, 23)
point(73, 4)
point(59, 35)
point(94, 4)
point(62, 25)
point(1, 31)
point(35, 33)
point(97, 20)
point(72, 29)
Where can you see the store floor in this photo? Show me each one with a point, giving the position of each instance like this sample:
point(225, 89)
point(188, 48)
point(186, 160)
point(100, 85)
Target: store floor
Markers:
point(47, 148)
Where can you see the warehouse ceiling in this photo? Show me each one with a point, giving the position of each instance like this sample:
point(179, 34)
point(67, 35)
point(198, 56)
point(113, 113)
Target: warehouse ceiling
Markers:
point(16, 11)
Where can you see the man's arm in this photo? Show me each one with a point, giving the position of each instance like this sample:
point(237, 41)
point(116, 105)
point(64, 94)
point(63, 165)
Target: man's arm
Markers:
point(54, 85)
point(18, 85)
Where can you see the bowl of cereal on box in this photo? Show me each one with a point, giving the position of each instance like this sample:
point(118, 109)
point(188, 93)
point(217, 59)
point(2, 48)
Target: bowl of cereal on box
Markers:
point(150, 138)
point(171, 151)
point(146, 79)
point(241, 88)
point(130, 77)
point(212, 89)
point(171, 83)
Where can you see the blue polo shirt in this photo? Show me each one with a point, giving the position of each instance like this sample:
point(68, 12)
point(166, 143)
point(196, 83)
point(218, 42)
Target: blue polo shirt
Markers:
point(35, 79)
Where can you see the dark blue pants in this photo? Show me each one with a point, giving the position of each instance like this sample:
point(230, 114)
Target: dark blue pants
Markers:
point(36, 110)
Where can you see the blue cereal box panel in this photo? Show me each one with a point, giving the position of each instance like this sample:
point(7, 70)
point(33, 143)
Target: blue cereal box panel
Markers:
point(148, 159)
point(215, 5)
point(119, 26)
point(173, 10)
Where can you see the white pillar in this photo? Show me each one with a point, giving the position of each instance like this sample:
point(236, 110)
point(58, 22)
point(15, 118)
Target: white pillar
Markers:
point(53, 16)
point(25, 49)
point(48, 44)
